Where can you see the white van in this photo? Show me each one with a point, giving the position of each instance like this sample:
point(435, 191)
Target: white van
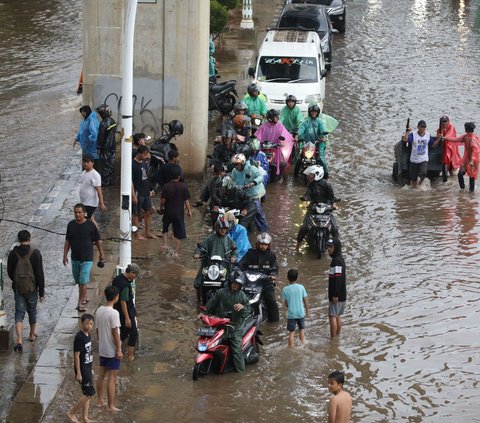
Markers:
point(290, 61)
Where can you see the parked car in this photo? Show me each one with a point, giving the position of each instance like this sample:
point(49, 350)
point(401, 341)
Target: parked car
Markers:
point(336, 9)
point(310, 17)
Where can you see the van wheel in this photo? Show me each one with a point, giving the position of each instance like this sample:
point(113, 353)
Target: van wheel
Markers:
point(341, 26)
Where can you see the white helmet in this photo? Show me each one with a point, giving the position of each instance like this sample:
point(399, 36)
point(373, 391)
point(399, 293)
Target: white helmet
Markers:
point(264, 238)
point(239, 158)
point(315, 170)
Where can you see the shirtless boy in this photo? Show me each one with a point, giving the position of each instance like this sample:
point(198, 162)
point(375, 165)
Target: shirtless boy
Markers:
point(340, 406)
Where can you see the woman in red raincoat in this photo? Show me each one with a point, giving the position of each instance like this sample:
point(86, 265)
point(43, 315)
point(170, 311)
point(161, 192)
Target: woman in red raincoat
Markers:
point(451, 159)
point(470, 157)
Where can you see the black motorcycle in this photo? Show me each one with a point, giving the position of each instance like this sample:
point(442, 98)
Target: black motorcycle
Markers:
point(320, 226)
point(255, 281)
point(160, 149)
point(214, 273)
point(221, 96)
point(309, 155)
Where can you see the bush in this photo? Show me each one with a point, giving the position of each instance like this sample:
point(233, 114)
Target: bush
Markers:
point(218, 17)
point(228, 4)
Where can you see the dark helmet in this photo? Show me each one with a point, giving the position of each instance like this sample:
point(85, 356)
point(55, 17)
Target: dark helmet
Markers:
point(271, 114)
point(313, 108)
point(469, 127)
point(176, 127)
point(237, 276)
point(104, 110)
point(239, 106)
point(252, 88)
point(222, 223)
point(291, 98)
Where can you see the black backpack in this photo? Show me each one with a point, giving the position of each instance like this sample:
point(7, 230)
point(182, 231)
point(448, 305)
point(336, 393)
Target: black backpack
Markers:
point(24, 277)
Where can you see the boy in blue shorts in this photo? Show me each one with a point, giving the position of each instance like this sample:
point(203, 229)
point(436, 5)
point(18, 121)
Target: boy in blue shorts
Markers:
point(295, 297)
point(83, 358)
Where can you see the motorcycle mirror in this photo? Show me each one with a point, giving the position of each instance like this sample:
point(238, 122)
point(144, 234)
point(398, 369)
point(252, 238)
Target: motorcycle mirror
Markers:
point(251, 72)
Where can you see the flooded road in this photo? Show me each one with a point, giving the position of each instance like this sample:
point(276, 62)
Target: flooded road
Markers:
point(410, 342)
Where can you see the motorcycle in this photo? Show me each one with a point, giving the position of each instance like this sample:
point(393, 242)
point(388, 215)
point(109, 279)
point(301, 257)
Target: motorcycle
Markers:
point(270, 148)
point(319, 226)
point(308, 156)
point(253, 287)
point(160, 149)
point(221, 96)
point(214, 353)
point(214, 273)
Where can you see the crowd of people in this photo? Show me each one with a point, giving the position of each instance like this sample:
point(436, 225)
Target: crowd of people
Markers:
point(453, 162)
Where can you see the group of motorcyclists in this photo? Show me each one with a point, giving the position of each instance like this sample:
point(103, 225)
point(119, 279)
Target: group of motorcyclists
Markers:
point(255, 147)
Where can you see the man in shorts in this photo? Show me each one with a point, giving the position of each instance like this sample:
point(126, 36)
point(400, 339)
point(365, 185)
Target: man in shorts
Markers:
point(81, 235)
point(337, 286)
point(419, 140)
point(174, 200)
point(91, 195)
point(142, 195)
point(295, 297)
point(109, 347)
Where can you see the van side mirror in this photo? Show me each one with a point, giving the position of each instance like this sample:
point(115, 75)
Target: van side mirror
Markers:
point(251, 72)
point(323, 73)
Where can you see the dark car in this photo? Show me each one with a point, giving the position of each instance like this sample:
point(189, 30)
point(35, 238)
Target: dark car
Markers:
point(314, 18)
point(336, 9)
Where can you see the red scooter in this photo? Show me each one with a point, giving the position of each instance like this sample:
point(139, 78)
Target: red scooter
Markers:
point(214, 353)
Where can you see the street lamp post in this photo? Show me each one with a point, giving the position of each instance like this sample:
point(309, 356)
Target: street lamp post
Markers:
point(127, 124)
point(247, 14)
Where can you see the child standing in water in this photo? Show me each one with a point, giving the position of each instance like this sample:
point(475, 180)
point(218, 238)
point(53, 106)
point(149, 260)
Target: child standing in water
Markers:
point(340, 406)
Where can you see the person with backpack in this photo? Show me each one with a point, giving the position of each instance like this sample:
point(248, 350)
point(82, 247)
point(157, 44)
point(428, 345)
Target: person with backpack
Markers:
point(25, 269)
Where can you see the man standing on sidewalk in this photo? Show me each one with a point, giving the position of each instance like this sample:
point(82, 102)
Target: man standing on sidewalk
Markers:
point(126, 307)
point(91, 195)
point(25, 269)
point(81, 235)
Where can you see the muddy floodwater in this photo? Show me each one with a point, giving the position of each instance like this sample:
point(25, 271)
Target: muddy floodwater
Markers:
point(410, 342)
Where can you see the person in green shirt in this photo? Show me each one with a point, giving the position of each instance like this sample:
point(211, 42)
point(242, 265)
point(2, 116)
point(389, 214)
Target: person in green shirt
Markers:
point(256, 106)
point(291, 115)
point(233, 303)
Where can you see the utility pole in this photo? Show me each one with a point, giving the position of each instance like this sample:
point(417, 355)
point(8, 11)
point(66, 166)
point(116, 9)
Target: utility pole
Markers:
point(247, 15)
point(127, 124)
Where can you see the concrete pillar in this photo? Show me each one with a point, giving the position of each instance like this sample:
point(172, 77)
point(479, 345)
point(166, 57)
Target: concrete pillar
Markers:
point(247, 15)
point(5, 328)
point(170, 68)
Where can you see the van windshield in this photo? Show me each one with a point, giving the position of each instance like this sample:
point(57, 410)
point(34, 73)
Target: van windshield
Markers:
point(287, 69)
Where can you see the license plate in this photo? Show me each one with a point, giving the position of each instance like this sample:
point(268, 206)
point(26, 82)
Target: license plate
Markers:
point(208, 332)
point(212, 283)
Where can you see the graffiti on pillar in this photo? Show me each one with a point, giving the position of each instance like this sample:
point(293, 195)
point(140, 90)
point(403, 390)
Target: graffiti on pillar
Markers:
point(144, 119)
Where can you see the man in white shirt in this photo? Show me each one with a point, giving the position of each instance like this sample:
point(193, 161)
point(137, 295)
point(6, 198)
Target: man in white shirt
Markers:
point(91, 188)
point(419, 141)
point(109, 347)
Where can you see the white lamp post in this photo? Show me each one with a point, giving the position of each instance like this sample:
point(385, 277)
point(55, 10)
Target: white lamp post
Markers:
point(127, 124)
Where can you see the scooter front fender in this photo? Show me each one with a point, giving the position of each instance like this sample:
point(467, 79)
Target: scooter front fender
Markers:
point(200, 358)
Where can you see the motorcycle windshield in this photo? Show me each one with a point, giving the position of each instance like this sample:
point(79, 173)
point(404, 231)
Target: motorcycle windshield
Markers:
point(214, 321)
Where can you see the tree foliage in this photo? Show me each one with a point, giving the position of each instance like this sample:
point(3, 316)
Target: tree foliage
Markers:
point(228, 4)
point(218, 17)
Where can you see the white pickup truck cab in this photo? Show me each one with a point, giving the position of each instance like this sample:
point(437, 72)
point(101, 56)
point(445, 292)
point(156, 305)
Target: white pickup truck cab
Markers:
point(291, 61)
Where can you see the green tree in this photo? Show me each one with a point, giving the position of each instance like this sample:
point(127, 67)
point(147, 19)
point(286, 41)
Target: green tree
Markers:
point(218, 17)
point(228, 4)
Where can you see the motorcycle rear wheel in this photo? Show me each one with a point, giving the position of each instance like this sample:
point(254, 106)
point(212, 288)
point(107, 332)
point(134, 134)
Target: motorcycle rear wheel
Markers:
point(227, 106)
point(318, 246)
point(200, 369)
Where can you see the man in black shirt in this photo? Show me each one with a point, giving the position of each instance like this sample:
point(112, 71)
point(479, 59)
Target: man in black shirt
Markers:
point(125, 283)
point(170, 168)
point(142, 198)
point(337, 286)
point(81, 235)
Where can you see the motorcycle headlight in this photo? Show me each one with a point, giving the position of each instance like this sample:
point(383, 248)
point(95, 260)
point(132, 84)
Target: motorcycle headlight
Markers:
point(252, 277)
point(313, 98)
point(223, 271)
point(213, 272)
point(309, 154)
point(201, 346)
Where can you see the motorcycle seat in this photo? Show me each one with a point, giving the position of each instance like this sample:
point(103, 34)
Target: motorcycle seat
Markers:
point(222, 86)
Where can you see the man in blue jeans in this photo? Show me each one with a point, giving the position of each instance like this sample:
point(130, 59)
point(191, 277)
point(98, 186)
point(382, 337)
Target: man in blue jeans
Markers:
point(26, 292)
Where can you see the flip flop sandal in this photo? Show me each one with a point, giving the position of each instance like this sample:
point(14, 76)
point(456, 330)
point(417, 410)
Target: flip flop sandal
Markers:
point(33, 339)
point(80, 309)
point(85, 301)
point(18, 348)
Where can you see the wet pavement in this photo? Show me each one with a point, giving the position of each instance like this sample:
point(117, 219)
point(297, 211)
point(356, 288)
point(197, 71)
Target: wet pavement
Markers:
point(410, 341)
